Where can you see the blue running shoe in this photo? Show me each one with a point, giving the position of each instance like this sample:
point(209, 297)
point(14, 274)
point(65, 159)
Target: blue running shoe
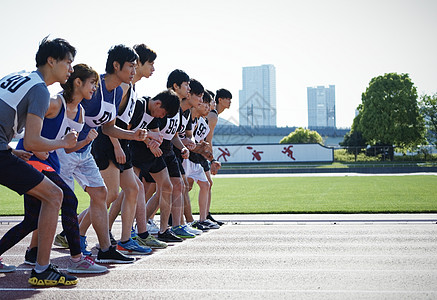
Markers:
point(132, 247)
point(83, 245)
point(182, 232)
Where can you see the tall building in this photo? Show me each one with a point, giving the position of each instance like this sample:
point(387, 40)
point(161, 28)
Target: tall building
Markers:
point(321, 106)
point(258, 96)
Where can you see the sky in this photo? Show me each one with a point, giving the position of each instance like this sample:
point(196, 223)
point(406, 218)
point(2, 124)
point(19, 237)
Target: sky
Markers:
point(314, 42)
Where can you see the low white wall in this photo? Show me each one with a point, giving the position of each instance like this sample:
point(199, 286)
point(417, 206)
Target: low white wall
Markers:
point(273, 153)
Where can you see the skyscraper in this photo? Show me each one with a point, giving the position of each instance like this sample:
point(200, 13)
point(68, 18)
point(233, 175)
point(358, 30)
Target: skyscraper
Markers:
point(321, 106)
point(258, 96)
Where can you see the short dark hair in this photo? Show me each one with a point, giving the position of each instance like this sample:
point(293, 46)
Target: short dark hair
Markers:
point(177, 76)
point(57, 48)
point(207, 96)
point(120, 54)
point(145, 53)
point(222, 93)
point(196, 87)
point(169, 101)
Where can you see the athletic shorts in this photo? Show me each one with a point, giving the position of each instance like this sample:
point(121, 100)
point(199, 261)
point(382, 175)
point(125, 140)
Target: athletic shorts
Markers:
point(205, 165)
point(194, 171)
point(153, 166)
point(172, 164)
point(103, 152)
point(178, 155)
point(16, 174)
point(79, 166)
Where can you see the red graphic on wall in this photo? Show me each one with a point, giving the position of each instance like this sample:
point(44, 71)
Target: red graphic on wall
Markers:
point(289, 152)
point(225, 153)
point(256, 154)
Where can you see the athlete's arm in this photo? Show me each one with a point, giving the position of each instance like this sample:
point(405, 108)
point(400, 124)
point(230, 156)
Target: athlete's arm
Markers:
point(120, 156)
point(33, 141)
point(110, 129)
point(92, 134)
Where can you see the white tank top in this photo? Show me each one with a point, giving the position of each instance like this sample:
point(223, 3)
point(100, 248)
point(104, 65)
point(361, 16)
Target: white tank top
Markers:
point(169, 131)
point(201, 130)
point(126, 116)
point(145, 120)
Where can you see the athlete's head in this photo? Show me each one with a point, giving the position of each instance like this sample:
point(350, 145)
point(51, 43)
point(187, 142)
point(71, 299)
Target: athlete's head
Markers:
point(168, 102)
point(196, 88)
point(119, 54)
point(146, 60)
point(223, 97)
point(145, 54)
point(58, 49)
point(179, 81)
point(83, 79)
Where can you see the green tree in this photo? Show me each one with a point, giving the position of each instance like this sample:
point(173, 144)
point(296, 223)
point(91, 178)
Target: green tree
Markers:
point(390, 113)
point(302, 136)
point(354, 138)
point(428, 109)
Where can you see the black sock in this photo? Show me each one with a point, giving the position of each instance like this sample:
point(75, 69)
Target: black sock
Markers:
point(143, 235)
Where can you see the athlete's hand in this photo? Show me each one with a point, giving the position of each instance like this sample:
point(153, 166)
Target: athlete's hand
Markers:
point(24, 155)
point(70, 139)
point(153, 144)
point(185, 153)
point(157, 136)
point(120, 157)
point(140, 135)
point(92, 134)
point(189, 143)
point(215, 166)
point(156, 151)
point(41, 155)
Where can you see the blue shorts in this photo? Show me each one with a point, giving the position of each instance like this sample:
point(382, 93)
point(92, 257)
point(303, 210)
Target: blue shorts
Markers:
point(16, 174)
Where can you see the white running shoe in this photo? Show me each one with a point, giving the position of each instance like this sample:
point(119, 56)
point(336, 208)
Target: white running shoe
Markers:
point(192, 230)
point(152, 228)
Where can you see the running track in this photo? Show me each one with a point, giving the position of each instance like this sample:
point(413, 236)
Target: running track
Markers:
point(263, 257)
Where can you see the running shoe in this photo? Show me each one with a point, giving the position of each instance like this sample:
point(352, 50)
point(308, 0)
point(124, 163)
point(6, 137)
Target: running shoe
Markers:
point(152, 228)
point(131, 247)
point(30, 256)
point(209, 217)
point(151, 241)
point(182, 232)
point(192, 230)
point(210, 224)
point(51, 277)
point(199, 226)
point(83, 245)
point(169, 237)
point(85, 265)
point(112, 239)
point(6, 268)
point(61, 241)
point(112, 256)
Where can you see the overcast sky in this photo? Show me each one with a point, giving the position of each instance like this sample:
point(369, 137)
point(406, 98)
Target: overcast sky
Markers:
point(314, 42)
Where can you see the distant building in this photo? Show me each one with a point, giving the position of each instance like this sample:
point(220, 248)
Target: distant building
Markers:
point(321, 106)
point(258, 97)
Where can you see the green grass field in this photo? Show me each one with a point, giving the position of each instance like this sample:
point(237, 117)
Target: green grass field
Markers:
point(353, 194)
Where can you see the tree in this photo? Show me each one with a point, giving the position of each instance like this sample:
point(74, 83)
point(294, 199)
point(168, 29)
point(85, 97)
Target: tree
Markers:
point(302, 136)
point(428, 109)
point(354, 138)
point(389, 113)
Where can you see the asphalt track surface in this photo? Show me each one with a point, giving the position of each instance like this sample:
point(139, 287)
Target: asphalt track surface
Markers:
point(384, 256)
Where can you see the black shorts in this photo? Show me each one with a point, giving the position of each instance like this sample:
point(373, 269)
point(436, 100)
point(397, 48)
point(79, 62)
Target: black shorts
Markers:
point(178, 154)
point(16, 174)
point(172, 164)
point(103, 152)
point(205, 164)
point(153, 166)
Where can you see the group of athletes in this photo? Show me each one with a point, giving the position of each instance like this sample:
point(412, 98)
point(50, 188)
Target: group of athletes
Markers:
point(131, 154)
